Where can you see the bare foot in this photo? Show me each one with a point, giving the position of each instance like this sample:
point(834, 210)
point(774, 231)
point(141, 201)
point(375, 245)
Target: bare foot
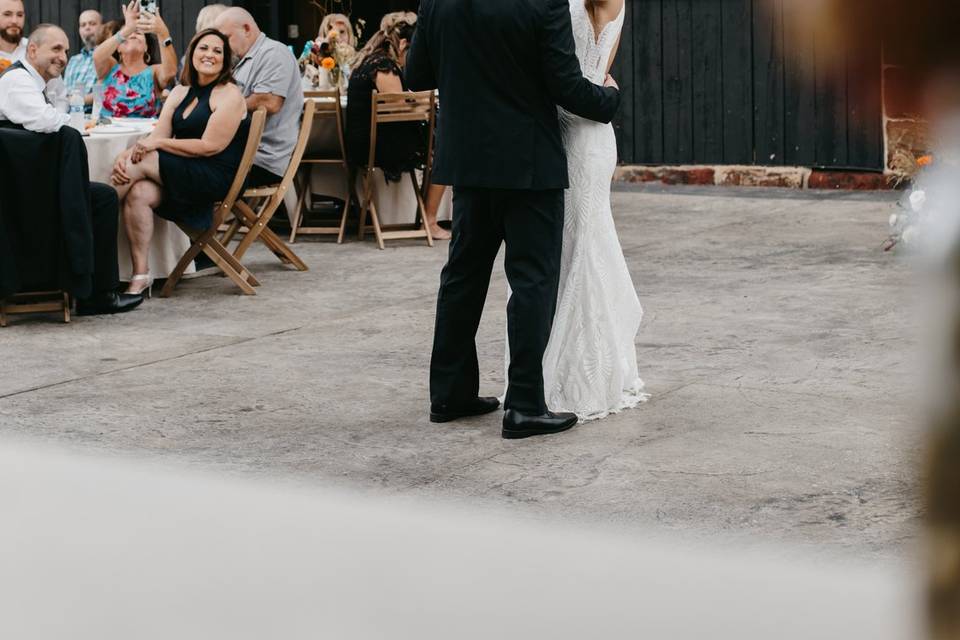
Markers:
point(439, 233)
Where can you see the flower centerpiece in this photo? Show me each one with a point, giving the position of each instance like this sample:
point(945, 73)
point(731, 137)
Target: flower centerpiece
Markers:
point(326, 63)
point(905, 225)
point(928, 220)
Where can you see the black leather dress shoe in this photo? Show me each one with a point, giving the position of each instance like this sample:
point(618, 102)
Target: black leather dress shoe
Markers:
point(106, 303)
point(517, 425)
point(476, 407)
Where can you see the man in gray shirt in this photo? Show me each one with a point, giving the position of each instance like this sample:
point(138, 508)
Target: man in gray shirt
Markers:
point(269, 77)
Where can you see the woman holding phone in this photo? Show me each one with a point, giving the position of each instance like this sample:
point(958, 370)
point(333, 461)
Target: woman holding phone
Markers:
point(132, 80)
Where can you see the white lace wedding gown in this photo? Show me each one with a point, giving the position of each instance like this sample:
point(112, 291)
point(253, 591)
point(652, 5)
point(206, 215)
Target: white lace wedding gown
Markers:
point(590, 366)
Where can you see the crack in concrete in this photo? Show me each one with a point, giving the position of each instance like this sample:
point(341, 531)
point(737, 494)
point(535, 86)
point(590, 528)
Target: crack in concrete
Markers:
point(783, 433)
point(139, 365)
point(741, 474)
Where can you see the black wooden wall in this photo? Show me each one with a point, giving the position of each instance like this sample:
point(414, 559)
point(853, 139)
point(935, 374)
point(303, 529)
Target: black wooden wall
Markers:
point(180, 15)
point(704, 81)
point(744, 82)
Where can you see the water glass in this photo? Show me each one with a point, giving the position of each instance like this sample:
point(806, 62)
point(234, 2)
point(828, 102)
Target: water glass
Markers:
point(97, 103)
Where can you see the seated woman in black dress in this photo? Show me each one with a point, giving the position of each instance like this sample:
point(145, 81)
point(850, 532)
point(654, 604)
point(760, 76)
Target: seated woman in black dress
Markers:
point(189, 161)
point(400, 145)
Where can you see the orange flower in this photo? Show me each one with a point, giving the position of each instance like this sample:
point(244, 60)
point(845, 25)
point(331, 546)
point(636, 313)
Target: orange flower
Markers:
point(4, 63)
point(925, 161)
point(328, 63)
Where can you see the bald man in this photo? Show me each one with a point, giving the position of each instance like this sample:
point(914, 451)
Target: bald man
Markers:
point(269, 77)
point(80, 69)
point(22, 98)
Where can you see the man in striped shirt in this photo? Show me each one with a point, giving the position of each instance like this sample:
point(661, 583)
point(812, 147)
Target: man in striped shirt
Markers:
point(80, 69)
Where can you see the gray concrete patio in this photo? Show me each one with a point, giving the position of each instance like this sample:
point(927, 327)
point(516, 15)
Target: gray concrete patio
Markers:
point(775, 347)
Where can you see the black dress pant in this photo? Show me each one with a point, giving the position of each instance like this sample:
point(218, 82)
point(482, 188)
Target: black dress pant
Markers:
point(104, 216)
point(260, 177)
point(530, 223)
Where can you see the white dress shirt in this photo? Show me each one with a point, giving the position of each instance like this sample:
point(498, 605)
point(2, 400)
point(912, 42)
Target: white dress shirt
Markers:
point(56, 89)
point(22, 101)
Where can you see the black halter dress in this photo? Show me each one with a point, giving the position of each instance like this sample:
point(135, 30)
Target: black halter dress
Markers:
point(191, 186)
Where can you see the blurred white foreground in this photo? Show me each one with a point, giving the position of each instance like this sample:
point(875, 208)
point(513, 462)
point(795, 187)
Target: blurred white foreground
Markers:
point(103, 549)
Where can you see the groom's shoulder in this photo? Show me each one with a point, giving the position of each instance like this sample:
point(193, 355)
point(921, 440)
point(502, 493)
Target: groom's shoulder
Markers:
point(534, 8)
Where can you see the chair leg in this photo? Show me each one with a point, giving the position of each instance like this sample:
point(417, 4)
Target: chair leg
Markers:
point(3, 314)
point(247, 241)
point(281, 250)
point(298, 214)
point(222, 251)
point(346, 206)
point(421, 209)
point(231, 231)
point(257, 229)
point(66, 307)
point(376, 225)
point(255, 226)
point(185, 261)
point(365, 202)
point(219, 254)
point(245, 218)
point(343, 221)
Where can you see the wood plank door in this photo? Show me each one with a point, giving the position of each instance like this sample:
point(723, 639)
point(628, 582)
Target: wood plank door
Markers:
point(745, 82)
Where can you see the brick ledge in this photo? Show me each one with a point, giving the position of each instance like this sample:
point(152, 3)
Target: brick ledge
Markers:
point(753, 176)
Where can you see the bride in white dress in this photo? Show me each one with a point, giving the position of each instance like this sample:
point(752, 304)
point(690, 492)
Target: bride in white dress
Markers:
point(590, 366)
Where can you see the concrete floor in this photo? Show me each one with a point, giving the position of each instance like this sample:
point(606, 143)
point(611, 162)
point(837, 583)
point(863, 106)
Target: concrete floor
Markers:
point(774, 344)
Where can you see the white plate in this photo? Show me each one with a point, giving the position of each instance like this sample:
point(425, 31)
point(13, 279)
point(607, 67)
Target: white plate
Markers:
point(137, 123)
point(112, 129)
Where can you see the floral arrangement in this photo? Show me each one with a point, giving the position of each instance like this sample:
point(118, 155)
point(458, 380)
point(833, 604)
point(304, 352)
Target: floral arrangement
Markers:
point(326, 63)
point(905, 226)
point(928, 221)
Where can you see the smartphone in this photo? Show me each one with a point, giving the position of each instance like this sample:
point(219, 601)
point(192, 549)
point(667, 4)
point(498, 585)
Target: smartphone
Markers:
point(149, 6)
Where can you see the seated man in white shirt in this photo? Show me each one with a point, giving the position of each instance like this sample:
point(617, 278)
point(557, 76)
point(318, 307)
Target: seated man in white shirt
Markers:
point(13, 48)
point(22, 99)
point(22, 103)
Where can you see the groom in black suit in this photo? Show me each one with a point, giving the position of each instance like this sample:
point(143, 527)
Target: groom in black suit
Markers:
point(502, 67)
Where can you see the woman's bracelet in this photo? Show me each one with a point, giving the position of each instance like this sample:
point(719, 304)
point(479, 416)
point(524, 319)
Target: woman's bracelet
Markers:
point(119, 38)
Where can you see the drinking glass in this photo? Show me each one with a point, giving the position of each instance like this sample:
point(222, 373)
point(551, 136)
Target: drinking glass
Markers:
point(97, 103)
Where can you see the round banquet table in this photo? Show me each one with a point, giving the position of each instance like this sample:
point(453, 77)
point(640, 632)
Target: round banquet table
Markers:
point(169, 243)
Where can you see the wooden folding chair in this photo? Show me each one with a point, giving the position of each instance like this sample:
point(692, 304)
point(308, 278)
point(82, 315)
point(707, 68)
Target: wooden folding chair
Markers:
point(253, 216)
point(398, 107)
point(207, 241)
point(325, 146)
point(35, 302)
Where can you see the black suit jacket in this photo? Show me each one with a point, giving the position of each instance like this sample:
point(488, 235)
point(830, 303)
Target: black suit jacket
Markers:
point(502, 67)
point(46, 237)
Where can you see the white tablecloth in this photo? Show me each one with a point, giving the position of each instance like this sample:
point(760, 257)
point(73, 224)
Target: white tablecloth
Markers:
point(395, 201)
point(169, 243)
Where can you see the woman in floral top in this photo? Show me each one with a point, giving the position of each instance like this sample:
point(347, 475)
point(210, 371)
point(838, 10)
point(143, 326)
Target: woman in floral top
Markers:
point(131, 84)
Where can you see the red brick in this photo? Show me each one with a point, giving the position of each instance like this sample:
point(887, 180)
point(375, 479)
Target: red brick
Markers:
point(848, 180)
point(646, 175)
point(688, 176)
point(635, 174)
point(761, 177)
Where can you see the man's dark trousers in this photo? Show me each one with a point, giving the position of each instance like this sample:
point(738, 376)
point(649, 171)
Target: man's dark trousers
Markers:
point(530, 223)
point(104, 215)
